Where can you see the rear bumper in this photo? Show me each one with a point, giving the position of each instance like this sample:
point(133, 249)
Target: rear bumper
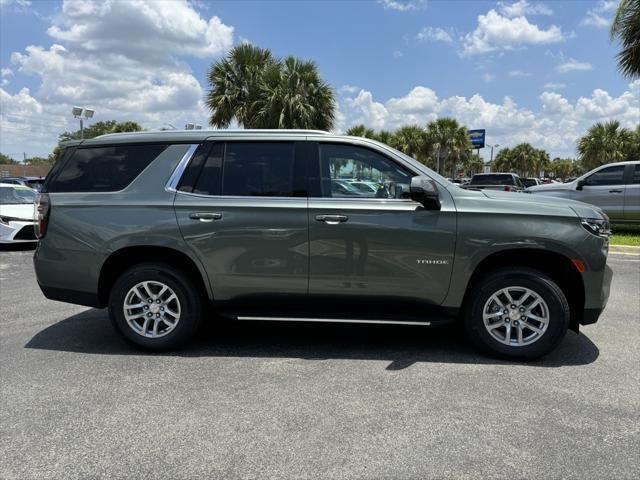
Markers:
point(71, 296)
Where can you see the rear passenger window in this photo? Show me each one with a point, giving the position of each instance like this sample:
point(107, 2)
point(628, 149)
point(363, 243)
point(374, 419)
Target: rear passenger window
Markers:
point(208, 182)
point(104, 169)
point(264, 169)
point(636, 175)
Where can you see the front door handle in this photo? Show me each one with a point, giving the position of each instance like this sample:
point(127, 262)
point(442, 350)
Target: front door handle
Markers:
point(617, 190)
point(332, 219)
point(205, 216)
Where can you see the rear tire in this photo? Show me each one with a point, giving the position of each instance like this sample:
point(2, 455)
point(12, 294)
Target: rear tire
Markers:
point(516, 313)
point(156, 307)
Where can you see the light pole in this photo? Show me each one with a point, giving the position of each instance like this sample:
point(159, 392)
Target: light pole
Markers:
point(492, 146)
point(82, 114)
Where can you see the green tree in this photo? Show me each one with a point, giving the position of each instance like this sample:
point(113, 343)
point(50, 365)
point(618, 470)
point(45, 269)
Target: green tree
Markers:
point(632, 151)
point(411, 140)
point(361, 131)
point(260, 91)
point(102, 128)
point(448, 140)
point(563, 168)
point(39, 161)
point(626, 29)
point(503, 162)
point(6, 160)
point(383, 136)
point(604, 143)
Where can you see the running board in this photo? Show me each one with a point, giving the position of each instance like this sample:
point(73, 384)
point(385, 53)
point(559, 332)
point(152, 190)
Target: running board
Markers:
point(332, 320)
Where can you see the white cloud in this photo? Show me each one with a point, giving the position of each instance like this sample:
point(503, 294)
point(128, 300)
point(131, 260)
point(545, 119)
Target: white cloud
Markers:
point(348, 89)
point(434, 33)
point(554, 86)
point(554, 125)
point(572, 65)
point(497, 32)
point(519, 74)
point(488, 77)
point(125, 60)
point(523, 7)
point(403, 5)
point(599, 16)
point(397, 54)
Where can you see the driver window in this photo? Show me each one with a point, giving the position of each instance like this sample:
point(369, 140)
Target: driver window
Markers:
point(349, 171)
point(607, 176)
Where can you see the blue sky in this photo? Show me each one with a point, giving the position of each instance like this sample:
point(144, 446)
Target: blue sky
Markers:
point(526, 71)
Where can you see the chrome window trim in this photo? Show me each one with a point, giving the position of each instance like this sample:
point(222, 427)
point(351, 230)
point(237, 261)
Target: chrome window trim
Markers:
point(175, 177)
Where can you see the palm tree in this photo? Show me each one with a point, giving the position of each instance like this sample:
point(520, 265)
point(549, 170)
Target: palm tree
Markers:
point(626, 28)
point(235, 85)
point(503, 161)
point(449, 140)
point(409, 139)
point(383, 136)
point(260, 91)
point(293, 95)
point(604, 143)
point(361, 131)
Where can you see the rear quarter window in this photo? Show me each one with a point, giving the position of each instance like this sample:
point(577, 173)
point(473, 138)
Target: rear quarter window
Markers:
point(103, 169)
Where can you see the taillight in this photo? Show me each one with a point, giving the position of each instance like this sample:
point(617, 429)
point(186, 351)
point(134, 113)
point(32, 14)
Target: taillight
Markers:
point(507, 188)
point(43, 207)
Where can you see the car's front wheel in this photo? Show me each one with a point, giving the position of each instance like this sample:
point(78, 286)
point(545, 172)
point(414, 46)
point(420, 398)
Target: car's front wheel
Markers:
point(518, 313)
point(155, 306)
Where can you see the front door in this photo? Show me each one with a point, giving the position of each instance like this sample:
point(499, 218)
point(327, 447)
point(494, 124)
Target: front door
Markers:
point(605, 188)
point(370, 243)
point(243, 212)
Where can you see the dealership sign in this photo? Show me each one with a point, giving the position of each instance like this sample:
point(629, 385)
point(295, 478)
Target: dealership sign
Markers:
point(477, 138)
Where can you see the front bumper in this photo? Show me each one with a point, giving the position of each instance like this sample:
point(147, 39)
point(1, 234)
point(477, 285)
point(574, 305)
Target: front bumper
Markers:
point(17, 231)
point(591, 315)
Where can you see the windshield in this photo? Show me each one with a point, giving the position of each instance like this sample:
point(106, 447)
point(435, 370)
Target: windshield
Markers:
point(16, 195)
point(490, 179)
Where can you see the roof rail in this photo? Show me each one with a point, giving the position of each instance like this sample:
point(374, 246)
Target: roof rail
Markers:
point(223, 132)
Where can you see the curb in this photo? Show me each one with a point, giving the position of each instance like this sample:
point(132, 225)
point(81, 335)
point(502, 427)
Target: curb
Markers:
point(624, 250)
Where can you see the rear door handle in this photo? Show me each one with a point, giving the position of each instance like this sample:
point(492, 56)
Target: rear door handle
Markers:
point(615, 191)
point(205, 216)
point(332, 219)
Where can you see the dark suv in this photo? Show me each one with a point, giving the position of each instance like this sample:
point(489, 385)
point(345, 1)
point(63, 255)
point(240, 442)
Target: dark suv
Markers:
point(165, 227)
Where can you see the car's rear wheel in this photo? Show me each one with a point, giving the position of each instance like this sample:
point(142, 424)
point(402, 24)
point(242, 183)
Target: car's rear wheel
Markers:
point(156, 307)
point(518, 313)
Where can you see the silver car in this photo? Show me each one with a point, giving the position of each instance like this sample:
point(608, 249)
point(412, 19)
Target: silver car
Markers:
point(614, 187)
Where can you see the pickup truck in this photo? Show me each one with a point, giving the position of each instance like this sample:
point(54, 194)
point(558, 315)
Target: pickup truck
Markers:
point(508, 182)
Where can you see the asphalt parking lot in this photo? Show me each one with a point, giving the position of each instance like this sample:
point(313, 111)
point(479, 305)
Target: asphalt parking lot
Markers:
point(310, 401)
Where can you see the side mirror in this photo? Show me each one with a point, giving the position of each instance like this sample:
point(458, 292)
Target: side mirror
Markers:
point(423, 190)
point(580, 184)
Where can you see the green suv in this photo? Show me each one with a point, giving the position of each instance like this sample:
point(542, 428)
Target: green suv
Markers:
point(164, 228)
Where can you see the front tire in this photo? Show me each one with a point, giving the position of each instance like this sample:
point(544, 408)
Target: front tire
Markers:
point(517, 313)
point(156, 307)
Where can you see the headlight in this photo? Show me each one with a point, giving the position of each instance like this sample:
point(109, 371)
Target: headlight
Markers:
point(597, 226)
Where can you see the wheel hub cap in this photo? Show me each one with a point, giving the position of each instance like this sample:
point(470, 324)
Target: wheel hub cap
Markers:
point(516, 316)
point(151, 309)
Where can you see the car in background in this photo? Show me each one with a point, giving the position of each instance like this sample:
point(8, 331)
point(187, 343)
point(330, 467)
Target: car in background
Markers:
point(34, 183)
point(17, 219)
point(614, 187)
point(364, 186)
point(531, 182)
point(509, 182)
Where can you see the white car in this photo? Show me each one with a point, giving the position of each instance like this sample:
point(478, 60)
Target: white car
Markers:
point(17, 214)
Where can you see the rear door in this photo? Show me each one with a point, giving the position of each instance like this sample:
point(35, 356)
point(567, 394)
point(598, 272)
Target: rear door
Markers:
point(378, 248)
point(605, 188)
point(632, 194)
point(242, 208)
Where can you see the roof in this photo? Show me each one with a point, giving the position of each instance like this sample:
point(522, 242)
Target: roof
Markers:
point(187, 135)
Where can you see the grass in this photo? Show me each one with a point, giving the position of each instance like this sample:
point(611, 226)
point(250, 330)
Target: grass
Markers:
point(625, 234)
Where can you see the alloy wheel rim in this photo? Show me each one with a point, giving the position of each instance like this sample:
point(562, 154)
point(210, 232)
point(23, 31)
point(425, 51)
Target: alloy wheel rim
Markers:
point(516, 316)
point(151, 309)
